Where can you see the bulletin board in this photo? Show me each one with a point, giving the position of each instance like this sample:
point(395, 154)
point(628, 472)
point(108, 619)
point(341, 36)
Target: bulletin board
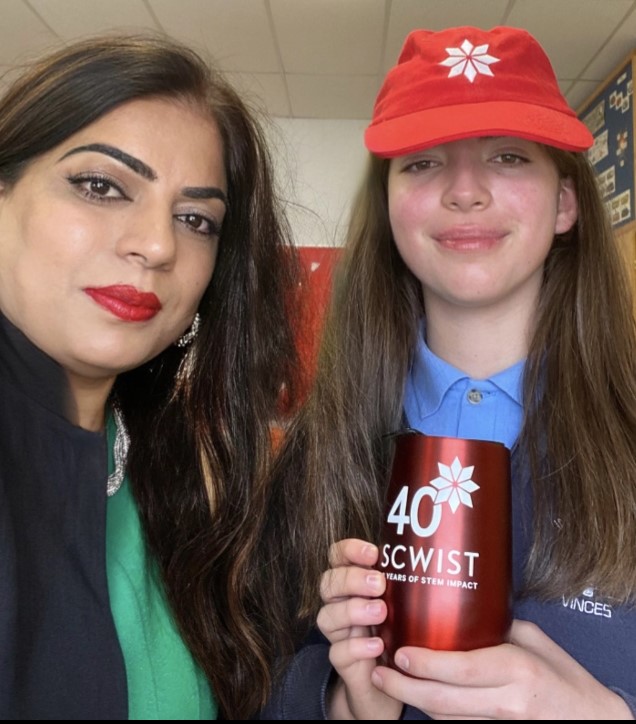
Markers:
point(609, 114)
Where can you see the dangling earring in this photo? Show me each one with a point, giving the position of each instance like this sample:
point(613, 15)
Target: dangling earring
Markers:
point(189, 336)
point(120, 452)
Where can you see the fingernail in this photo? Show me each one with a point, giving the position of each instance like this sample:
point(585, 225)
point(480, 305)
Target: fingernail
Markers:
point(370, 552)
point(374, 644)
point(376, 679)
point(374, 608)
point(402, 661)
point(374, 580)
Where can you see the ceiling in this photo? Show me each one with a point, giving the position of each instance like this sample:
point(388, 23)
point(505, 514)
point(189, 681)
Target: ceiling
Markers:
point(326, 58)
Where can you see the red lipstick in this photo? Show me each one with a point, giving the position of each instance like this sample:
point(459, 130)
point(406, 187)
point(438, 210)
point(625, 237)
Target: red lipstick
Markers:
point(126, 302)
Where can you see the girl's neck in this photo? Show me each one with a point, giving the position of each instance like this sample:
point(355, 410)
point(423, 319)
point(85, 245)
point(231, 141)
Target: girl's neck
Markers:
point(479, 342)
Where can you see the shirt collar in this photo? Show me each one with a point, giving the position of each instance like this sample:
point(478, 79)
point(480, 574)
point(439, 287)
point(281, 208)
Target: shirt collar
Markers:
point(510, 381)
point(32, 371)
point(431, 378)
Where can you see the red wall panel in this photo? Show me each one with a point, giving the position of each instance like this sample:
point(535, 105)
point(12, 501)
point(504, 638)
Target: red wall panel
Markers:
point(318, 263)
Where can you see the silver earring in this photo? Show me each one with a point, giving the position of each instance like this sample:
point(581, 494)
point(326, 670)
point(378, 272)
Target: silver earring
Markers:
point(189, 336)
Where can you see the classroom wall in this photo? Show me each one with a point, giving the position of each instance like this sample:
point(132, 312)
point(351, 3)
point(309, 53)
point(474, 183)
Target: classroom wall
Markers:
point(318, 165)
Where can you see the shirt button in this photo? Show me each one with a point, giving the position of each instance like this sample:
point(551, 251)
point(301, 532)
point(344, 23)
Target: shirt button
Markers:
point(474, 397)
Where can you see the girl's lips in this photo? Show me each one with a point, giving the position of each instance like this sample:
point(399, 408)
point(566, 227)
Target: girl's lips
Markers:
point(126, 302)
point(473, 239)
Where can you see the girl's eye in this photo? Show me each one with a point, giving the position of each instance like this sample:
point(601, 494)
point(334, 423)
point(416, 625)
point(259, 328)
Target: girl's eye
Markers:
point(423, 164)
point(510, 159)
point(200, 224)
point(97, 188)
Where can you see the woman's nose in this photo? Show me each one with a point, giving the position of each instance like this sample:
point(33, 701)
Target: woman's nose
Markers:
point(150, 239)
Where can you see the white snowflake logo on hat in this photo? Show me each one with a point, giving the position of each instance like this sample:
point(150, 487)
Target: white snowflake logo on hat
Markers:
point(469, 60)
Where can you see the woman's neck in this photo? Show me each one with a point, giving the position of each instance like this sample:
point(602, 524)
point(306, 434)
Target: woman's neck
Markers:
point(88, 401)
point(479, 342)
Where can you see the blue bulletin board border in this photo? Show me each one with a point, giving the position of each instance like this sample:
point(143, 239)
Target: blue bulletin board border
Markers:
point(609, 114)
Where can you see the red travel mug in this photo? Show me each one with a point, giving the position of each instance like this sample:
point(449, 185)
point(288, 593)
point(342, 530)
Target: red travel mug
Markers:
point(446, 545)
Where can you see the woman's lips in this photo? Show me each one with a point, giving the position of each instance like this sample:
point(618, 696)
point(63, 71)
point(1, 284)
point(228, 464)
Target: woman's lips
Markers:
point(126, 302)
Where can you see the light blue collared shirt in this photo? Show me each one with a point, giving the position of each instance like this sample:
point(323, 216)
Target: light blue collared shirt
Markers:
point(442, 400)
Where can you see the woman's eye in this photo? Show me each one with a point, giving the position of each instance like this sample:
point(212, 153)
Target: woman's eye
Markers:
point(97, 188)
point(200, 224)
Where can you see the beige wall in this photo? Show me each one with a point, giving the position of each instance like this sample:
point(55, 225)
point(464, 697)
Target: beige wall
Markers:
point(318, 167)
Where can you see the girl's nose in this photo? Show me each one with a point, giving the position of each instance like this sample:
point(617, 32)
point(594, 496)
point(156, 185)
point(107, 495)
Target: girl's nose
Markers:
point(467, 186)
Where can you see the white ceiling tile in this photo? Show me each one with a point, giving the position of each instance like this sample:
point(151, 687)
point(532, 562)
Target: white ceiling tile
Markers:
point(571, 31)
point(586, 39)
point(329, 36)
point(22, 34)
point(332, 96)
point(565, 84)
point(264, 91)
point(407, 15)
point(622, 43)
point(236, 34)
point(580, 92)
point(72, 18)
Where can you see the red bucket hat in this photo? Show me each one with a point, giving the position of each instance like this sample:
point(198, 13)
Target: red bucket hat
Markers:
point(465, 82)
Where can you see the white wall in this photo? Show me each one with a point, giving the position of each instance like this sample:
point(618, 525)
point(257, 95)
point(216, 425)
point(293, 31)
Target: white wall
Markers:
point(318, 166)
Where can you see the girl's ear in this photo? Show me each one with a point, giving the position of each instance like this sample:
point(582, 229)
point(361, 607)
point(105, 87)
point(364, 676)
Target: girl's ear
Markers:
point(567, 207)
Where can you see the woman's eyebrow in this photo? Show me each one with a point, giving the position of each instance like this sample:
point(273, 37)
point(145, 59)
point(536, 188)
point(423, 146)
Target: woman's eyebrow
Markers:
point(133, 163)
point(139, 167)
point(204, 192)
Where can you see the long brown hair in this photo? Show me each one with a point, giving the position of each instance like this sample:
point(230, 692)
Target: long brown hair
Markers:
point(579, 433)
point(580, 402)
point(199, 419)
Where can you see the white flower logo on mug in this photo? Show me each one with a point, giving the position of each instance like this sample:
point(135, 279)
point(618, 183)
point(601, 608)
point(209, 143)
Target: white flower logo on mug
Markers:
point(453, 486)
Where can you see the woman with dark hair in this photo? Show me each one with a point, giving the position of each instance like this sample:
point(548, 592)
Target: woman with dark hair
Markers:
point(481, 296)
point(145, 338)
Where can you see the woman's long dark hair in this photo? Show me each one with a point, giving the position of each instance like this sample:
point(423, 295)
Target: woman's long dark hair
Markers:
point(200, 420)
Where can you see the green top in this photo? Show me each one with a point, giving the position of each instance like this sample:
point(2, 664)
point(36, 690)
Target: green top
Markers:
point(164, 682)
